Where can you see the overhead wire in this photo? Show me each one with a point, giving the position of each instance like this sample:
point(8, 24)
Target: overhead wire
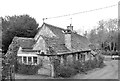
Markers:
point(81, 12)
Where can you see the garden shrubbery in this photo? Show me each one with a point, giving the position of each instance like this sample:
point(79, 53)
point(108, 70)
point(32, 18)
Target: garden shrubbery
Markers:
point(100, 62)
point(28, 69)
point(71, 69)
point(105, 52)
point(65, 71)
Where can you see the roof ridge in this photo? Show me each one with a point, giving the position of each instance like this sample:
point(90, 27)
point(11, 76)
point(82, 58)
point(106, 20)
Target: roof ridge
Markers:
point(25, 38)
point(61, 28)
point(54, 26)
point(46, 37)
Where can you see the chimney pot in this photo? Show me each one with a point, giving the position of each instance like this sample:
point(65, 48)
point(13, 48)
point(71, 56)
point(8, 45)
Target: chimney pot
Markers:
point(70, 27)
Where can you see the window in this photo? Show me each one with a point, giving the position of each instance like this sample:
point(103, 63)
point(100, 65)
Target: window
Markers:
point(29, 60)
point(24, 60)
point(35, 60)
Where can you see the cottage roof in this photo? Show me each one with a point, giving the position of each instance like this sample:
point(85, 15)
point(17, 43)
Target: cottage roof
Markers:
point(78, 42)
point(26, 43)
point(59, 32)
point(55, 43)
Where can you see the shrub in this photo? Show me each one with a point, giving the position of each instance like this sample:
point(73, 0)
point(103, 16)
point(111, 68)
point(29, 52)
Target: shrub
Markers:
point(28, 69)
point(93, 64)
point(105, 52)
point(65, 71)
point(88, 65)
point(79, 67)
point(100, 62)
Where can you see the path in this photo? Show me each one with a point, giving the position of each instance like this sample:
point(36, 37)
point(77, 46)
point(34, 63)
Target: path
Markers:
point(110, 71)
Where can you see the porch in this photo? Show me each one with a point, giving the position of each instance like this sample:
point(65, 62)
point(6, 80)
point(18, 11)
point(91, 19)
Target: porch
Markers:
point(28, 59)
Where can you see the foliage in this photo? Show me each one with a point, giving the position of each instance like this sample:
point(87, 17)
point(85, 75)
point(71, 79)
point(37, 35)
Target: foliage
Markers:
point(76, 65)
point(10, 58)
point(21, 26)
point(0, 32)
point(28, 69)
point(65, 71)
point(79, 67)
point(106, 34)
point(89, 65)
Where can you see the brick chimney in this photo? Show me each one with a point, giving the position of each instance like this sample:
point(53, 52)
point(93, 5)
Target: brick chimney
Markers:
point(70, 27)
point(68, 37)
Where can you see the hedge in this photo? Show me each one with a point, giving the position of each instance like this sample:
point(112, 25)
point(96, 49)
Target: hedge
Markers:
point(65, 71)
point(79, 67)
point(28, 69)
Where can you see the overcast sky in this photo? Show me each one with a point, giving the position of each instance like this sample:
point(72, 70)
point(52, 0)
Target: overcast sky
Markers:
point(49, 8)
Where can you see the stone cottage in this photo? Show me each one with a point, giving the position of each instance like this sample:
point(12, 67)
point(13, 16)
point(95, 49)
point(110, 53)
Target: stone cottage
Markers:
point(49, 36)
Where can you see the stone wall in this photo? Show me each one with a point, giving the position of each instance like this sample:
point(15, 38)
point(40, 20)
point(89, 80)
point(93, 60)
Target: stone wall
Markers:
point(40, 45)
point(45, 31)
point(68, 41)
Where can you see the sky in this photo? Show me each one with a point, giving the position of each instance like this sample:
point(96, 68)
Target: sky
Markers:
point(119, 10)
point(40, 9)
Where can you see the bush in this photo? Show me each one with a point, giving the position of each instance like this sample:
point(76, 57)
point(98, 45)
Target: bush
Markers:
point(79, 67)
point(100, 62)
point(88, 65)
point(65, 71)
point(28, 69)
point(106, 52)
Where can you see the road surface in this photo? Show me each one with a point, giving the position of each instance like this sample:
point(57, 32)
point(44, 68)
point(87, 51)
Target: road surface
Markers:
point(110, 71)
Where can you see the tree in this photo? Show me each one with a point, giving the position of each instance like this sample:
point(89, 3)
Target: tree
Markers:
point(93, 36)
point(106, 34)
point(0, 32)
point(21, 26)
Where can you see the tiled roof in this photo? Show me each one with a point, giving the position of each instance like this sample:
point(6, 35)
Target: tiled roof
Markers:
point(26, 42)
point(78, 42)
point(59, 32)
point(29, 50)
point(55, 43)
